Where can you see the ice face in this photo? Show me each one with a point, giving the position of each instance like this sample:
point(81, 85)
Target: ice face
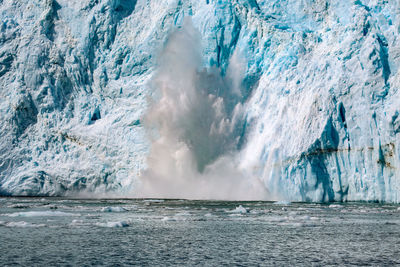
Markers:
point(317, 82)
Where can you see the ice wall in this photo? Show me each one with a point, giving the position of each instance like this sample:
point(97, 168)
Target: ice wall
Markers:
point(319, 92)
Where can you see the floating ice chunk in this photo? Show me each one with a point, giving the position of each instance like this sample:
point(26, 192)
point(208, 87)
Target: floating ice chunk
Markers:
point(118, 224)
point(240, 209)
point(41, 214)
point(335, 206)
point(77, 223)
point(113, 209)
point(21, 224)
point(166, 218)
point(292, 224)
point(235, 215)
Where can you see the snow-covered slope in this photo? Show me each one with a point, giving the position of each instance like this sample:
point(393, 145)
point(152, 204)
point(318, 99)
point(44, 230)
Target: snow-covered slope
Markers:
point(316, 84)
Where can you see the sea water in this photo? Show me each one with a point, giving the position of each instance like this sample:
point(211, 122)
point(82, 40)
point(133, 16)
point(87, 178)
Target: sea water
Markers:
point(157, 232)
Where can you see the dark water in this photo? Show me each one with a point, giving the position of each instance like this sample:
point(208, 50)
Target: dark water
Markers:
point(58, 232)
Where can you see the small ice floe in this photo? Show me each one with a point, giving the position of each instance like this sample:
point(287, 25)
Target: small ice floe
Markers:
point(236, 215)
point(41, 214)
point(292, 224)
point(21, 224)
point(240, 210)
point(208, 215)
point(166, 219)
point(77, 223)
point(398, 209)
point(113, 209)
point(118, 224)
point(335, 206)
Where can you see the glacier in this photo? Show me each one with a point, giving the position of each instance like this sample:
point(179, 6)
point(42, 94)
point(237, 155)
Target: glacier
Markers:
point(316, 82)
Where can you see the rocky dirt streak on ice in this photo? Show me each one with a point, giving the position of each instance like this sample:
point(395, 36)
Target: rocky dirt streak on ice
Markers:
point(321, 92)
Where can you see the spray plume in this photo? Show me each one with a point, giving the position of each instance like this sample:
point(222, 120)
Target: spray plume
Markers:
point(195, 124)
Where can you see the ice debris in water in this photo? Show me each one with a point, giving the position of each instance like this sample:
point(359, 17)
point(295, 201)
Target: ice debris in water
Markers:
point(42, 214)
point(77, 223)
point(166, 218)
point(21, 224)
point(113, 209)
point(240, 210)
point(118, 224)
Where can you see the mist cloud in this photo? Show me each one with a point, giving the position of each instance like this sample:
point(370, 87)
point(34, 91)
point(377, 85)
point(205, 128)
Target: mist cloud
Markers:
point(195, 123)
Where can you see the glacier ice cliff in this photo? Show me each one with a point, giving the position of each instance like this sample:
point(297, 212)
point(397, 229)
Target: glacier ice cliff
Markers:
point(317, 85)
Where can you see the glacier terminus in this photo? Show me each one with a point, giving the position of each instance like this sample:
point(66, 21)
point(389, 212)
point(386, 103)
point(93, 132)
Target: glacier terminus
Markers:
point(208, 99)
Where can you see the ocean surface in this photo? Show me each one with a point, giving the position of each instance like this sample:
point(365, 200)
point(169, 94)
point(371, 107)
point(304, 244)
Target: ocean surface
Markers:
point(81, 232)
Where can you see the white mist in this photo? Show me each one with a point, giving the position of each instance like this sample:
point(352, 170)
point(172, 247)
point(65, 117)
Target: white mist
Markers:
point(193, 123)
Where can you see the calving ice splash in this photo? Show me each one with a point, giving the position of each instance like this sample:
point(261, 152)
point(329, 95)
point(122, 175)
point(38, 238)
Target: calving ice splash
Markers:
point(196, 123)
